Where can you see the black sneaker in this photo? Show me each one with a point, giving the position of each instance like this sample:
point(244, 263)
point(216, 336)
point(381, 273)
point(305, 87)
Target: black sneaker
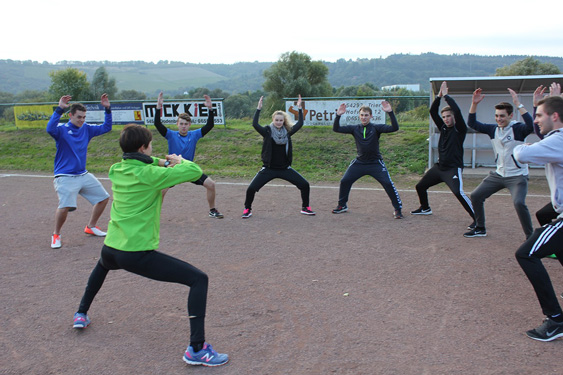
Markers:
point(307, 211)
point(340, 209)
point(548, 331)
point(422, 211)
point(216, 214)
point(472, 226)
point(477, 232)
point(398, 214)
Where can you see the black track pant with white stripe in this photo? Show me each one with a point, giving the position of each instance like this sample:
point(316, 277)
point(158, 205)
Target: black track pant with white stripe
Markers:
point(451, 177)
point(375, 169)
point(543, 242)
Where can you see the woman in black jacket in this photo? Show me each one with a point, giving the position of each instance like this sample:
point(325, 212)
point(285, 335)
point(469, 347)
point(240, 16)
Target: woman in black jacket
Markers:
point(277, 156)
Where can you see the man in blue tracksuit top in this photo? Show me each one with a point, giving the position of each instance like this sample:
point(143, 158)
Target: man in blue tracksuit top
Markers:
point(510, 174)
point(183, 142)
point(369, 160)
point(71, 176)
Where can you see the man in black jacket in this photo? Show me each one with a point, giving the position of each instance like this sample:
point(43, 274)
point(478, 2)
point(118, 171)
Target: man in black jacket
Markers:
point(450, 155)
point(369, 160)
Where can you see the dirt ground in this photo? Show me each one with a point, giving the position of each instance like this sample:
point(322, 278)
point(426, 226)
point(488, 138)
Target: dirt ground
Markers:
point(356, 293)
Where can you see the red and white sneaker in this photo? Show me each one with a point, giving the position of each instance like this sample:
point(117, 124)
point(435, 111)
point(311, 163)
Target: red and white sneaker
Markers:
point(56, 241)
point(94, 231)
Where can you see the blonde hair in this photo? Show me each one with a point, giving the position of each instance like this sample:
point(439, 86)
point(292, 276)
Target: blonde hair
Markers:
point(287, 123)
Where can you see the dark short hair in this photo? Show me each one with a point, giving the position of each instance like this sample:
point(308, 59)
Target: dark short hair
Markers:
point(507, 106)
point(365, 108)
point(77, 107)
point(446, 109)
point(133, 136)
point(552, 104)
point(184, 116)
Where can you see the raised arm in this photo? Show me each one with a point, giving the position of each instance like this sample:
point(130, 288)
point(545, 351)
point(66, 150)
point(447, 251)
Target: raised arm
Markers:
point(210, 117)
point(299, 124)
point(260, 129)
point(157, 122)
point(108, 120)
point(516, 102)
point(472, 118)
point(339, 112)
point(386, 106)
point(56, 117)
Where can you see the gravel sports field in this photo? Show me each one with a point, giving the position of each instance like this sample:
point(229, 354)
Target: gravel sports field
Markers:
point(355, 293)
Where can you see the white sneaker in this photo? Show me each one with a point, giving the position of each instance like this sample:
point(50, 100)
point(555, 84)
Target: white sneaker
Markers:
point(55, 241)
point(94, 231)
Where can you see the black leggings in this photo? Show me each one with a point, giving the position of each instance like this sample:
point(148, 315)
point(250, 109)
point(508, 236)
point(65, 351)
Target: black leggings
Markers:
point(157, 266)
point(266, 175)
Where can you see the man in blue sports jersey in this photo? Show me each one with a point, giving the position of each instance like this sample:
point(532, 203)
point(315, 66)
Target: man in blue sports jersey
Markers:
point(183, 142)
point(71, 176)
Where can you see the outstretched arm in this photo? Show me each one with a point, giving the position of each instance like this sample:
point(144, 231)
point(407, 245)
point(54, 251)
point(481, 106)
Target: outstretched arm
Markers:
point(157, 122)
point(210, 117)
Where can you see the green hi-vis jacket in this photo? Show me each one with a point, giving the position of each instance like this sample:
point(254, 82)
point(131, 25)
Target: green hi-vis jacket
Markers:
point(137, 200)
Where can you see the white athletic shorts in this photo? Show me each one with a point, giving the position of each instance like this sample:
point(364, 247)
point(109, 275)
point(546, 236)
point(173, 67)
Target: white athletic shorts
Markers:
point(87, 185)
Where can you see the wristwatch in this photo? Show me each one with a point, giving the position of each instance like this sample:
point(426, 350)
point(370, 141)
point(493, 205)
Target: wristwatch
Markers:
point(521, 106)
point(166, 163)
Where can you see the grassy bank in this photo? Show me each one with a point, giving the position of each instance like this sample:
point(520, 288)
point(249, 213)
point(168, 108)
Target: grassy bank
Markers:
point(232, 151)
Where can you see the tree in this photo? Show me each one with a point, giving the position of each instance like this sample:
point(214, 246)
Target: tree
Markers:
point(132, 95)
point(102, 84)
point(239, 106)
point(69, 81)
point(32, 96)
point(527, 67)
point(295, 74)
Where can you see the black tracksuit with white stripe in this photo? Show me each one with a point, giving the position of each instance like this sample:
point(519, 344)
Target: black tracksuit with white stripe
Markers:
point(450, 157)
point(369, 160)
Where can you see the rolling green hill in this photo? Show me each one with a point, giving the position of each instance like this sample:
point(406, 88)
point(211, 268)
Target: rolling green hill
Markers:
point(177, 77)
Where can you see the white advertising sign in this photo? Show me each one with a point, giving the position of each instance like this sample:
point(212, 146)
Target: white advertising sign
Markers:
point(323, 112)
point(196, 110)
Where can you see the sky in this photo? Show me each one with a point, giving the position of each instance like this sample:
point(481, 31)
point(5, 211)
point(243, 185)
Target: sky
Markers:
point(227, 31)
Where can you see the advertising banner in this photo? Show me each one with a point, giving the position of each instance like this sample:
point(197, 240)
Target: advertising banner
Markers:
point(195, 109)
point(38, 115)
point(33, 116)
point(323, 112)
point(121, 113)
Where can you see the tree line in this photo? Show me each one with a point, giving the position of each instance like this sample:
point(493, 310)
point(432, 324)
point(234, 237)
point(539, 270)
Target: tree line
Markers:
point(293, 74)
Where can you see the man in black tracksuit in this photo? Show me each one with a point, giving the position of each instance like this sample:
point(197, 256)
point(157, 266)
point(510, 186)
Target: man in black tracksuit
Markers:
point(369, 160)
point(450, 155)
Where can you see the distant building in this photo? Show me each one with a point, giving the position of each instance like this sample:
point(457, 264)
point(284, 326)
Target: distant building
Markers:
point(411, 87)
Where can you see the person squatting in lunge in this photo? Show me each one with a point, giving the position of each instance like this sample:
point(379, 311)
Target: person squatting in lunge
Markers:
point(510, 174)
point(369, 160)
point(183, 142)
point(71, 176)
point(134, 234)
point(449, 168)
point(277, 156)
point(548, 239)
